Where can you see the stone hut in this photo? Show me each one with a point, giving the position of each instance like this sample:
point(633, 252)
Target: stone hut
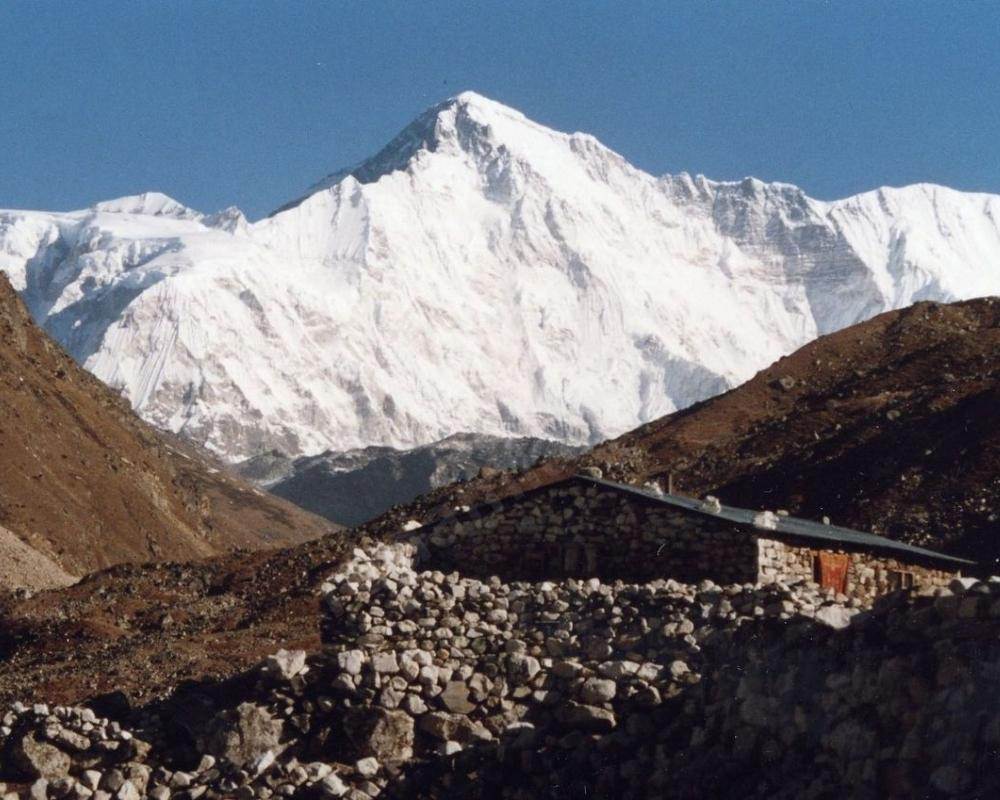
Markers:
point(586, 527)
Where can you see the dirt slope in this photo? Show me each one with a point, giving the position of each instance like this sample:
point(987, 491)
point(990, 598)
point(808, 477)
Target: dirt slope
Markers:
point(86, 484)
point(142, 629)
point(891, 426)
point(22, 567)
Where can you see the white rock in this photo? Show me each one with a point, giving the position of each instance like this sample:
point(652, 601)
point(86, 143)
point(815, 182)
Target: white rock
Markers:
point(287, 663)
point(333, 786)
point(367, 767)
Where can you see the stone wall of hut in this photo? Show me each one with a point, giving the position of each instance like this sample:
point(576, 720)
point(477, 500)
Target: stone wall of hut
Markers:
point(868, 575)
point(584, 531)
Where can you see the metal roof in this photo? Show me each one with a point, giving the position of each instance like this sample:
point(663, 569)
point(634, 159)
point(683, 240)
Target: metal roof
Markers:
point(783, 526)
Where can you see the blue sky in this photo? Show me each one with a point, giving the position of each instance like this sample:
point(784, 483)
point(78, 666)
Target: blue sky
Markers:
point(248, 103)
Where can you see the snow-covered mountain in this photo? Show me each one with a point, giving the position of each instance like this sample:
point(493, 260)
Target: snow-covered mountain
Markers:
point(480, 273)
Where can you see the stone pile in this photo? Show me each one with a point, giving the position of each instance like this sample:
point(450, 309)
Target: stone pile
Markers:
point(460, 663)
point(45, 744)
point(434, 684)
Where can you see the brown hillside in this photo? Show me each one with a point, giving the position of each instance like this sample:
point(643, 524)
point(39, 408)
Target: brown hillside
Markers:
point(145, 628)
point(87, 484)
point(891, 426)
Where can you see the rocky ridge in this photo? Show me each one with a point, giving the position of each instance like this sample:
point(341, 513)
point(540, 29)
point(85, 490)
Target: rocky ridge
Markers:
point(437, 685)
point(354, 486)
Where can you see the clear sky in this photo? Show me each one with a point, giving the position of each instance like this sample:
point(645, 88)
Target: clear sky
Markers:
point(221, 103)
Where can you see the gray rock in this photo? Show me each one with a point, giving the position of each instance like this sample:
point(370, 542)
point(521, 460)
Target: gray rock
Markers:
point(413, 705)
point(567, 670)
point(286, 663)
point(367, 767)
point(127, 791)
point(678, 668)
point(385, 662)
point(39, 759)
point(386, 735)
point(243, 734)
point(91, 778)
point(834, 616)
point(333, 786)
point(522, 668)
point(113, 780)
point(456, 698)
point(598, 690)
point(590, 719)
point(351, 661)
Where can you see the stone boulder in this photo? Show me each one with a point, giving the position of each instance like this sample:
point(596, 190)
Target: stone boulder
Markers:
point(36, 758)
point(243, 734)
point(383, 734)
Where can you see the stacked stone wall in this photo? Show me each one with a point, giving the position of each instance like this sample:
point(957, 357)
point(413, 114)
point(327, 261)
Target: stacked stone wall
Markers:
point(579, 530)
point(586, 531)
point(868, 575)
point(436, 685)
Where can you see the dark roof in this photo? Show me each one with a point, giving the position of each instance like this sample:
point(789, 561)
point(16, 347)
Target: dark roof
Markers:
point(784, 526)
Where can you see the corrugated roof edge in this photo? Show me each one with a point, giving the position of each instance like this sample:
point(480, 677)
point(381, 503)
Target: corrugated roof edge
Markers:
point(788, 526)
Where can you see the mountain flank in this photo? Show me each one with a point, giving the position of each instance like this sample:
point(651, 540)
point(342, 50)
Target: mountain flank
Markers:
point(481, 273)
point(354, 486)
point(85, 484)
point(889, 426)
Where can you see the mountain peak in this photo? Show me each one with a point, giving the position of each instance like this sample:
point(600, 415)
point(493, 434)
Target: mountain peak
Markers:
point(154, 204)
point(466, 119)
point(480, 105)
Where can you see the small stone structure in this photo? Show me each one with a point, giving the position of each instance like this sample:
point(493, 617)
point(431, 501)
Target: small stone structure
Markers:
point(586, 527)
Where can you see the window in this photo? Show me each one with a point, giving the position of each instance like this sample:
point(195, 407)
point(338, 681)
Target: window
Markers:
point(898, 579)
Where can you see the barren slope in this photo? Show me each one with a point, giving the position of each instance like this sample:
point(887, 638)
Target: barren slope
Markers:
point(142, 629)
point(86, 484)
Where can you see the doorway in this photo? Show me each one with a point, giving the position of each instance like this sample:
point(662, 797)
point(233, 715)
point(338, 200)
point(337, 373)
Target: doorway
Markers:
point(830, 571)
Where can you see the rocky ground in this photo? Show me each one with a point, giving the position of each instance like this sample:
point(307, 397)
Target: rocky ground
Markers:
point(140, 630)
point(439, 685)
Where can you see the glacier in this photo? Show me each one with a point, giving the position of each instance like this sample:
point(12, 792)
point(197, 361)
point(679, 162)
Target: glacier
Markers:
point(481, 273)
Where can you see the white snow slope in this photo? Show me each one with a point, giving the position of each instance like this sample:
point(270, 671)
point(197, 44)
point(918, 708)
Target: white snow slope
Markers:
point(481, 273)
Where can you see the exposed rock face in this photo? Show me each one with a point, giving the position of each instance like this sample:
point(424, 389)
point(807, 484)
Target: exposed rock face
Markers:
point(354, 486)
